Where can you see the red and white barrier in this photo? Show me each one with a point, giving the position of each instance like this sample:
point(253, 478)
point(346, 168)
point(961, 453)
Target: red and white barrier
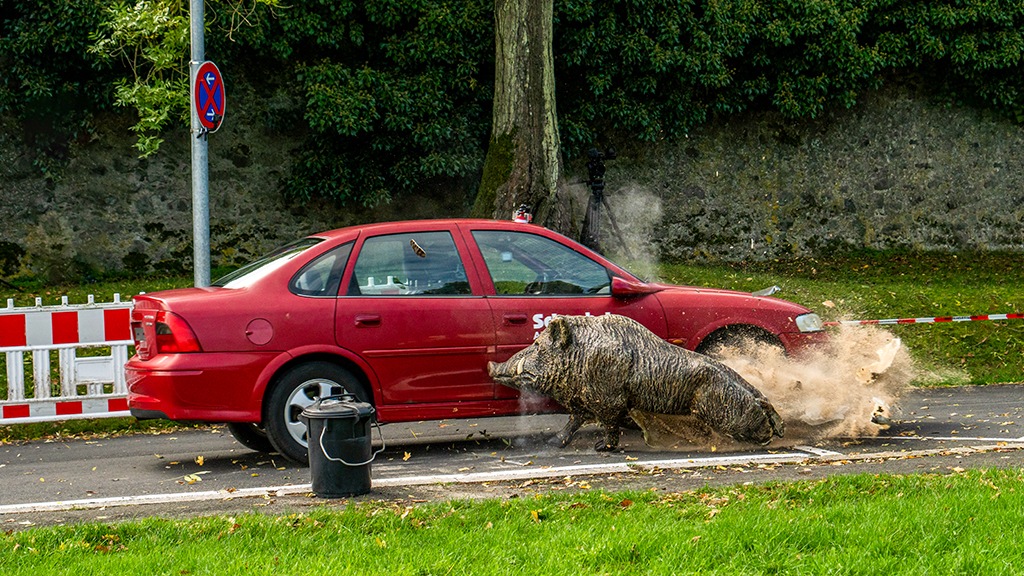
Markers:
point(90, 386)
point(930, 320)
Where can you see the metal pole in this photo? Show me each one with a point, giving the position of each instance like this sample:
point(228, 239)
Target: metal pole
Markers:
point(200, 157)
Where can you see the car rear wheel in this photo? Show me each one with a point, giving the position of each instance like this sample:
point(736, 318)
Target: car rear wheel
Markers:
point(294, 391)
point(251, 435)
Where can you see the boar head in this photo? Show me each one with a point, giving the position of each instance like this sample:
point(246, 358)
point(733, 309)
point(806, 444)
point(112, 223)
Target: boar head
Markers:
point(541, 366)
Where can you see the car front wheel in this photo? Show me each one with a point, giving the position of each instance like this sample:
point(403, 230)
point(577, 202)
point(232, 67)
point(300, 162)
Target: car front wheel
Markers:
point(294, 391)
point(748, 338)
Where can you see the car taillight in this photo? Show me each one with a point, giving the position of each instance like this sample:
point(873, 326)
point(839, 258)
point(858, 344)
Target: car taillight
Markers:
point(174, 335)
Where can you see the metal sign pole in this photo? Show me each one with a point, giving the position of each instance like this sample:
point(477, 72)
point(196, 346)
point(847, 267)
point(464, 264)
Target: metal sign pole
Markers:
point(200, 157)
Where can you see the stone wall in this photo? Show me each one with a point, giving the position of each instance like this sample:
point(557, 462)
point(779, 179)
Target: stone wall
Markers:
point(900, 170)
point(112, 211)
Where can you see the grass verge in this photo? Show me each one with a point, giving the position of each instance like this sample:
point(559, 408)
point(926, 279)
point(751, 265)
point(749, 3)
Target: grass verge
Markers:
point(877, 286)
point(959, 523)
point(86, 428)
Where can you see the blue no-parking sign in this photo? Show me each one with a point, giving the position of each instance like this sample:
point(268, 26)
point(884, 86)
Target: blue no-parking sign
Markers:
point(208, 96)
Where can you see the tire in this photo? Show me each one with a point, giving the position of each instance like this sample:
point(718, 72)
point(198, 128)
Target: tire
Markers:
point(296, 389)
point(251, 435)
point(737, 337)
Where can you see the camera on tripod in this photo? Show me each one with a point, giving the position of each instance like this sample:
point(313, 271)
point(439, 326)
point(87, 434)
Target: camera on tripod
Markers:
point(595, 167)
point(591, 235)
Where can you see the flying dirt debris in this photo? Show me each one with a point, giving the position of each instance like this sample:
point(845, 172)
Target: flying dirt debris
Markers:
point(602, 367)
point(844, 389)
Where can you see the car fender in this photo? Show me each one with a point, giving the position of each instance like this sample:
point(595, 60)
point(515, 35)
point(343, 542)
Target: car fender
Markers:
point(694, 313)
point(314, 352)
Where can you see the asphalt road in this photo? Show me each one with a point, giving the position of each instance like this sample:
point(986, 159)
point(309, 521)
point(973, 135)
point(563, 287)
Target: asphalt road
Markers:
point(206, 471)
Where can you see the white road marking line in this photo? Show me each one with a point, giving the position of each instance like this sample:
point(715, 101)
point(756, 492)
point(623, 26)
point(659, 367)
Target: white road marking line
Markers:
point(958, 438)
point(818, 451)
point(975, 439)
point(93, 503)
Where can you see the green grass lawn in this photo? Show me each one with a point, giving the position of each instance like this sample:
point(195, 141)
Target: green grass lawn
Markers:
point(966, 522)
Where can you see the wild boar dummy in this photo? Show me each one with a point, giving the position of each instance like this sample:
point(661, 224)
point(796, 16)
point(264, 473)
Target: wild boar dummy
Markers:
point(601, 367)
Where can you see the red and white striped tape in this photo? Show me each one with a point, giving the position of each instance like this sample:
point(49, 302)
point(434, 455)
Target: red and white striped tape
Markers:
point(65, 327)
point(931, 320)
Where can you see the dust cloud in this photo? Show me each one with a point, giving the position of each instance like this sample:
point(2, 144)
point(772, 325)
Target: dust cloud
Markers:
point(627, 231)
point(846, 388)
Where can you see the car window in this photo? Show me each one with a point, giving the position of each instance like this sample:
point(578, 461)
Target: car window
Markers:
point(527, 264)
point(417, 264)
point(250, 273)
point(322, 276)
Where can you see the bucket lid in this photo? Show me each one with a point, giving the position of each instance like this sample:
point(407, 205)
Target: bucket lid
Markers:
point(342, 406)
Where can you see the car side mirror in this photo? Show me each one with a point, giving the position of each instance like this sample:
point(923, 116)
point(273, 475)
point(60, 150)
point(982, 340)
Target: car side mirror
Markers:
point(625, 288)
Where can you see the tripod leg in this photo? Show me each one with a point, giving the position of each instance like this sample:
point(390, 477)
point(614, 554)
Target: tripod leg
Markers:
point(591, 236)
point(615, 228)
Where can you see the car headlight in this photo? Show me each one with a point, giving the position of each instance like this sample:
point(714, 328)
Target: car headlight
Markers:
point(810, 323)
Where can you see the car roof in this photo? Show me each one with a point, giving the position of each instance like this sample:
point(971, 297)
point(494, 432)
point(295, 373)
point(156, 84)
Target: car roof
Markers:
point(400, 226)
point(397, 227)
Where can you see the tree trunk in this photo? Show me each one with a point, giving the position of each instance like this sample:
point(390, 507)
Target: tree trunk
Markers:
point(523, 163)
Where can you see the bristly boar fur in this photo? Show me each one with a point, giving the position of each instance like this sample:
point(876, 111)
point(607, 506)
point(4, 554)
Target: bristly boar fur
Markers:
point(601, 367)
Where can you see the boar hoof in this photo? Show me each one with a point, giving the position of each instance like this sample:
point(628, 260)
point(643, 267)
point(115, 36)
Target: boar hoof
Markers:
point(560, 440)
point(603, 446)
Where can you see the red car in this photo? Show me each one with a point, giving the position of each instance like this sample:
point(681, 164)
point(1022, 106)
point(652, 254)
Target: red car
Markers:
point(405, 315)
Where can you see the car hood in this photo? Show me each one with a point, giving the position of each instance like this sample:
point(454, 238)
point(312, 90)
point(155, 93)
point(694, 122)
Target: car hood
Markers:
point(721, 296)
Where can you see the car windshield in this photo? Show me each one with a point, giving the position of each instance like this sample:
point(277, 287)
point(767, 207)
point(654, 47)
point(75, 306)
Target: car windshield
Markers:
point(250, 273)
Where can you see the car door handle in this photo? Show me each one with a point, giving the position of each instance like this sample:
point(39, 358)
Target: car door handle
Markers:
point(367, 320)
point(515, 318)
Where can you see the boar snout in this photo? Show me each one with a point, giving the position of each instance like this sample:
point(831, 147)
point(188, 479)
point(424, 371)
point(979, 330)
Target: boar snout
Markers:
point(511, 373)
point(502, 372)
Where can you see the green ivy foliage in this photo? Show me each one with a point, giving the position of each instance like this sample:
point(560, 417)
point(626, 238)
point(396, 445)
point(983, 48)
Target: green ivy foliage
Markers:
point(395, 94)
point(659, 68)
point(150, 38)
point(49, 82)
point(400, 98)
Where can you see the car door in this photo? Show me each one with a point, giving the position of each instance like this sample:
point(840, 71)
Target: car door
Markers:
point(411, 313)
point(534, 277)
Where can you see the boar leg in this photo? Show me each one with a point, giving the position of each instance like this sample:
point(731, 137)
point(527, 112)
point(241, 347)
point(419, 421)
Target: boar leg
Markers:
point(611, 438)
point(564, 436)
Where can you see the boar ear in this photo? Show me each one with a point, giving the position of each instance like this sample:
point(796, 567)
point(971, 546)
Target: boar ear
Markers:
point(560, 332)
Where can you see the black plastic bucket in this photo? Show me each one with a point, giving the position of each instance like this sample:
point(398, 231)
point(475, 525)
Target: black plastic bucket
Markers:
point(340, 445)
